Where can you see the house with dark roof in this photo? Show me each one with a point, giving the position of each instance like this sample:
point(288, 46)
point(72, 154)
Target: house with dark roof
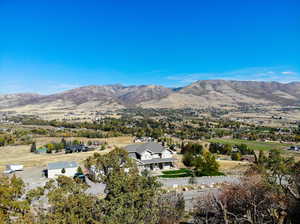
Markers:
point(61, 168)
point(151, 156)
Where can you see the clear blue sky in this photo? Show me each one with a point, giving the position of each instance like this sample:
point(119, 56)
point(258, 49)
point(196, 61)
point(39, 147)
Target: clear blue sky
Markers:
point(50, 46)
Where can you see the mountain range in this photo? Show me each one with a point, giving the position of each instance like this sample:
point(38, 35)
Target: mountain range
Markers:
point(200, 94)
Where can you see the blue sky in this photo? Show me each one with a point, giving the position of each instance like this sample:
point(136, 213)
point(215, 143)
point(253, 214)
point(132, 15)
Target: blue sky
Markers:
point(55, 45)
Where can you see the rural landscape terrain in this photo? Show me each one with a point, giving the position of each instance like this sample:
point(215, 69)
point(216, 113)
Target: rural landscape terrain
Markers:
point(149, 112)
point(217, 131)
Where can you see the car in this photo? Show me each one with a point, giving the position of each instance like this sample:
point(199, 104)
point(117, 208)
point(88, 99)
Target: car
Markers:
point(8, 171)
point(79, 177)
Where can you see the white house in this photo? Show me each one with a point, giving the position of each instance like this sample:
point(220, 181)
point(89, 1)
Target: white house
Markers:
point(151, 156)
point(61, 168)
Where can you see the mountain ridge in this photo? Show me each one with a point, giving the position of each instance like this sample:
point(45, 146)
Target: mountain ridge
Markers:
point(200, 94)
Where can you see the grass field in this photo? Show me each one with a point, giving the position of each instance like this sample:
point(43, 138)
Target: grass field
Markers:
point(255, 145)
point(21, 154)
point(176, 173)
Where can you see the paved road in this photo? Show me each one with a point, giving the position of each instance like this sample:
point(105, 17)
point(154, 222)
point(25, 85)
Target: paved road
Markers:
point(95, 188)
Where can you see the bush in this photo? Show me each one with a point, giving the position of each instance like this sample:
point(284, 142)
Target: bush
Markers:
point(188, 159)
point(236, 156)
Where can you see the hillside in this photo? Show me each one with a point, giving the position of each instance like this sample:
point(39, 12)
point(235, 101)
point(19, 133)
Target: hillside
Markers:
point(221, 93)
point(200, 94)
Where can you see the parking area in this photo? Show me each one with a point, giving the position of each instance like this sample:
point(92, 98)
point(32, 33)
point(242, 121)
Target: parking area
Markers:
point(33, 177)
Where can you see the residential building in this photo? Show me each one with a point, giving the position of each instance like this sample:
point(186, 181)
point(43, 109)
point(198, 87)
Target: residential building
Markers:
point(61, 168)
point(151, 156)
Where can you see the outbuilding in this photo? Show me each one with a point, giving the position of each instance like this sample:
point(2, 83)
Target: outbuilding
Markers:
point(61, 168)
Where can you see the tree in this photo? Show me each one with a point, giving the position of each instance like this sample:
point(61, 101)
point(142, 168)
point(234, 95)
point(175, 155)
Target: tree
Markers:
point(206, 165)
point(245, 150)
point(2, 141)
point(79, 170)
point(68, 203)
point(188, 159)
point(13, 209)
point(192, 148)
point(130, 197)
point(50, 147)
point(213, 148)
point(227, 149)
point(251, 201)
point(236, 156)
point(171, 208)
point(193, 179)
point(33, 147)
point(75, 142)
point(64, 143)
point(282, 176)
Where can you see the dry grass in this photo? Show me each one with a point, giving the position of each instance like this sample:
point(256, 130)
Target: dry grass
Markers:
point(225, 165)
point(228, 165)
point(22, 155)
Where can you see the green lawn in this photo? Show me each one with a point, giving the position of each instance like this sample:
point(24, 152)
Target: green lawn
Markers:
point(255, 145)
point(176, 173)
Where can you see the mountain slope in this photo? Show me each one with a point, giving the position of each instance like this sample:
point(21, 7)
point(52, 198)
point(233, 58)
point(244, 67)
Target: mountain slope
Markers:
point(220, 93)
point(200, 94)
point(13, 100)
point(96, 95)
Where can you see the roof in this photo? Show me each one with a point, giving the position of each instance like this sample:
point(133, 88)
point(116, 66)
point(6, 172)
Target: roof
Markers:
point(132, 155)
point(61, 165)
point(150, 146)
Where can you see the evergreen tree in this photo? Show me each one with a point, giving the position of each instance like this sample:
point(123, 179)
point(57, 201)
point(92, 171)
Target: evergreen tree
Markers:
point(64, 143)
point(33, 147)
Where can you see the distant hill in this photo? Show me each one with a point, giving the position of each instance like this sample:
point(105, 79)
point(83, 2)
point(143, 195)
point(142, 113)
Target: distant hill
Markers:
point(200, 94)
